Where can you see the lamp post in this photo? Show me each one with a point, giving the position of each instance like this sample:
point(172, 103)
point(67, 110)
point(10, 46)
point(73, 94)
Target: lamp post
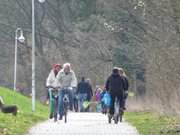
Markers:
point(33, 54)
point(20, 39)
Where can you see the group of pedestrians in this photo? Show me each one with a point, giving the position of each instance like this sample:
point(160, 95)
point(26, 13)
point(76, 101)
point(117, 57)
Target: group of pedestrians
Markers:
point(64, 79)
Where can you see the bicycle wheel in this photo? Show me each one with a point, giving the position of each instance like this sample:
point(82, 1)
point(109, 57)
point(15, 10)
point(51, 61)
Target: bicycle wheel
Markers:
point(120, 118)
point(109, 118)
point(55, 109)
point(116, 119)
point(65, 112)
point(76, 106)
point(121, 115)
point(65, 117)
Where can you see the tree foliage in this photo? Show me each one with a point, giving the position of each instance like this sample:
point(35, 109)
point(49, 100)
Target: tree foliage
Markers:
point(141, 36)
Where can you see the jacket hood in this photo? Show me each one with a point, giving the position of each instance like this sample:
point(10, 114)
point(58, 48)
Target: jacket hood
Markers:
point(115, 75)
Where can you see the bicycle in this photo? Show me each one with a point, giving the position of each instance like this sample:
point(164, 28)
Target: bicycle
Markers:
point(65, 105)
point(65, 102)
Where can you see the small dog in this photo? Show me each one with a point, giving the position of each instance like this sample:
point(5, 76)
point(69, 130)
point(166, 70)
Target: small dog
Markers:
point(8, 108)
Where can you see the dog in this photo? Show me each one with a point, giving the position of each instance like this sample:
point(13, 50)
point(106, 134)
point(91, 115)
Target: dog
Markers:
point(8, 108)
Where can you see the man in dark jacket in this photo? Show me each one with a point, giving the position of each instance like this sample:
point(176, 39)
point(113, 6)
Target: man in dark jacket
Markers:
point(83, 91)
point(115, 85)
point(90, 91)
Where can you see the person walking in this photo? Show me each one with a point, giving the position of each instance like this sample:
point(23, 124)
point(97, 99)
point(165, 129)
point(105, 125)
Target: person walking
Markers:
point(115, 86)
point(126, 86)
point(83, 90)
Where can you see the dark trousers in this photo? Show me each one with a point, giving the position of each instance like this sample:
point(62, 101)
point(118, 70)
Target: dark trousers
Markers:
point(120, 97)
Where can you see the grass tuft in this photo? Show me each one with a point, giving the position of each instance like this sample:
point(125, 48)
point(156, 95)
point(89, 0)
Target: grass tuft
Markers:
point(153, 124)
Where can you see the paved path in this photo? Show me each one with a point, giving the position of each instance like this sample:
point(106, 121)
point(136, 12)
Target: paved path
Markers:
point(83, 124)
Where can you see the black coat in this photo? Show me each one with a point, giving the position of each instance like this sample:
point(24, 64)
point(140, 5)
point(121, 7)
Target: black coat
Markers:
point(84, 87)
point(115, 84)
point(126, 83)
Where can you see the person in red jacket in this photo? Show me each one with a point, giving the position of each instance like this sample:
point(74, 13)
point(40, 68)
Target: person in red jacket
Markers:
point(51, 83)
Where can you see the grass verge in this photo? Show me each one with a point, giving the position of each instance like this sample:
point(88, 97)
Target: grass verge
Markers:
point(18, 125)
point(153, 124)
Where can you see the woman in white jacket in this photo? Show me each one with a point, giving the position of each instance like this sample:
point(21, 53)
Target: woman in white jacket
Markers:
point(52, 83)
point(51, 80)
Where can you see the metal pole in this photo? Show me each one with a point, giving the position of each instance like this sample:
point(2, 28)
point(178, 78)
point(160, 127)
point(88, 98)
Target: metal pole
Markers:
point(33, 57)
point(15, 59)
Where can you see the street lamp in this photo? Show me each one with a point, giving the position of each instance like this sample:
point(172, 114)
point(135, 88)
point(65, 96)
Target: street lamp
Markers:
point(33, 53)
point(42, 1)
point(20, 39)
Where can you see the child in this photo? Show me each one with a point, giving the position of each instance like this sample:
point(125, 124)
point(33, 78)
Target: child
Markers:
point(98, 99)
point(105, 101)
point(98, 94)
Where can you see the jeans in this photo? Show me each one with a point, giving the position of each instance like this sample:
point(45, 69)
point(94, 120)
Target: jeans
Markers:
point(82, 98)
point(70, 94)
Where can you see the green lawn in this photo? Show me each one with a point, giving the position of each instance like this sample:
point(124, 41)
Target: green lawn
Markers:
point(153, 124)
point(18, 125)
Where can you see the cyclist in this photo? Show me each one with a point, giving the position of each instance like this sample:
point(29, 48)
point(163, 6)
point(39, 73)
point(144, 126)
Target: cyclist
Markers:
point(52, 83)
point(67, 78)
point(115, 86)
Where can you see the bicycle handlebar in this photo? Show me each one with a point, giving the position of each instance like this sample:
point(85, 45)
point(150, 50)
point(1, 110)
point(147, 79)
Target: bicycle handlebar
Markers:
point(53, 87)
